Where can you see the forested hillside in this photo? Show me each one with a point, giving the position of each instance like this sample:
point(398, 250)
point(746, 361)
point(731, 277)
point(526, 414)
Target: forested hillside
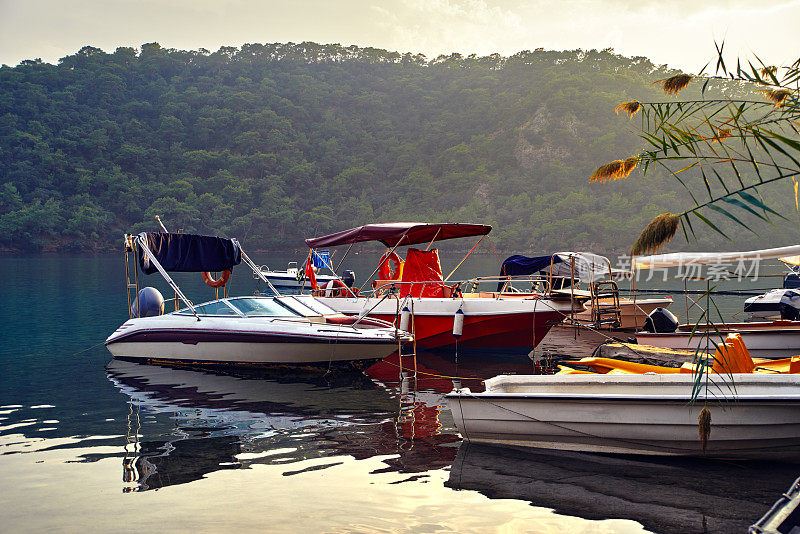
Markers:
point(274, 143)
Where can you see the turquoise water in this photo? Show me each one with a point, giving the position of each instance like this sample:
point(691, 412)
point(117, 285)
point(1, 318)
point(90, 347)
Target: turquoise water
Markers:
point(87, 443)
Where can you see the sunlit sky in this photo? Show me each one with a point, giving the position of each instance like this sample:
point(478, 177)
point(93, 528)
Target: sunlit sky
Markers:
point(680, 33)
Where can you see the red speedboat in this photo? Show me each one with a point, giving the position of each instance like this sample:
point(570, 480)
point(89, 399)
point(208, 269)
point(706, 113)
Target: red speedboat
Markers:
point(441, 312)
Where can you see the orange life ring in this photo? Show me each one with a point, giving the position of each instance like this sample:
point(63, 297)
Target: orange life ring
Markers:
point(221, 281)
point(390, 273)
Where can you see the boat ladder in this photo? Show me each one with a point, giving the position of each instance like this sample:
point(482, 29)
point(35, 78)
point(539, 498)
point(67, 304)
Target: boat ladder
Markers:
point(606, 309)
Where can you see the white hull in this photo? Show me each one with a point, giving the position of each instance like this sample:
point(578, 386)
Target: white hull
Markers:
point(253, 353)
point(633, 414)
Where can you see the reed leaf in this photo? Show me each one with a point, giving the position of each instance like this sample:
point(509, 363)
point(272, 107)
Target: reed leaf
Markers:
point(796, 203)
point(759, 204)
point(721, 181)
point(710, 224)
point(739, 204)
point(730, 215)
point(720, 60)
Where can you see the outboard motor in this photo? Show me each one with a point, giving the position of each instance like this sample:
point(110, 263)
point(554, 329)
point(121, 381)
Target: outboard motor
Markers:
point(150, 301)
point(349, 278)
point(661, 321)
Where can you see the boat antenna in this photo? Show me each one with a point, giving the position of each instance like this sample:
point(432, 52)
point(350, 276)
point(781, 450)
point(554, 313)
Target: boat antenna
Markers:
point(161, 224)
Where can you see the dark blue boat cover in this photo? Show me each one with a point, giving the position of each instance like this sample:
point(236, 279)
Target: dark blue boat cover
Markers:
point(522, 265)
point(190, 253)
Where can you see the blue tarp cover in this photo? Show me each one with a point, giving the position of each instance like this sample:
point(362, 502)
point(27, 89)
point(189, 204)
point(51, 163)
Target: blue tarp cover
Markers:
point(522, 265)
point(190, 253)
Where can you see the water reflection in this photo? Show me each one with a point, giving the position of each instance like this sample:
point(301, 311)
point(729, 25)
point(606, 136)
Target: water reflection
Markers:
point(663, 494)
point(231, 420)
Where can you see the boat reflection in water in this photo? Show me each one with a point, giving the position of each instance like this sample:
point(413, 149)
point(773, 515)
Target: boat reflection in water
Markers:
point(232, 419)
point(663, 494)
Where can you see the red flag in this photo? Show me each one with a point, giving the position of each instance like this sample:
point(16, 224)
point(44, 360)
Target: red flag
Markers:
point(311, 276)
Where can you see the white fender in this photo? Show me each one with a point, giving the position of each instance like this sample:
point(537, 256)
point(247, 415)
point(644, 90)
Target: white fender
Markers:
point(458, 323)
point(405, 318)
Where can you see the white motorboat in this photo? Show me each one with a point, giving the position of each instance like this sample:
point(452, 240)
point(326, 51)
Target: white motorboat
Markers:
point(293, 281)
point(283, 330)
point(774, 304)
point(277, 330)
point(764, 339)
point(753, 416)
point(783, 303)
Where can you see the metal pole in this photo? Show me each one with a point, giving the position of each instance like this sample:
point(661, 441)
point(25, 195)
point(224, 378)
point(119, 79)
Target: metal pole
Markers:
point(140, 239)
point(255, 268)
point(572, 295)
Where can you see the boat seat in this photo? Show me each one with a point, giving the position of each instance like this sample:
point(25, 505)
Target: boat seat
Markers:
point(732, 356)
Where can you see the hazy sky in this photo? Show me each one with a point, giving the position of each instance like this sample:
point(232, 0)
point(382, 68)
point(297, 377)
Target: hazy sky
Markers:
point(680, 33)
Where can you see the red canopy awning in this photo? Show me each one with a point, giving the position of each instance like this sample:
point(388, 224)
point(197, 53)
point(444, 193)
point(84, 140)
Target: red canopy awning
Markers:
point(391, 234)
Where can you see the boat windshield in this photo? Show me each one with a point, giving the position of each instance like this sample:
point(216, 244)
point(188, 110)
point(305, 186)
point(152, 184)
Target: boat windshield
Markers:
point(217, 307)
point(300, 307)
point(258, 307)
point(314, 304)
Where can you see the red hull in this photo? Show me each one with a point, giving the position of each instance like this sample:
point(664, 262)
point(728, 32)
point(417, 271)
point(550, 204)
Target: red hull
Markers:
point(517, 331)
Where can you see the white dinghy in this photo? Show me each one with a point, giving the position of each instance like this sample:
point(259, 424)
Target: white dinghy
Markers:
point(758, 416)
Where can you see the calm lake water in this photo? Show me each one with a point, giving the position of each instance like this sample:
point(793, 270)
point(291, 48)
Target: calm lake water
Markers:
point(91, 443)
